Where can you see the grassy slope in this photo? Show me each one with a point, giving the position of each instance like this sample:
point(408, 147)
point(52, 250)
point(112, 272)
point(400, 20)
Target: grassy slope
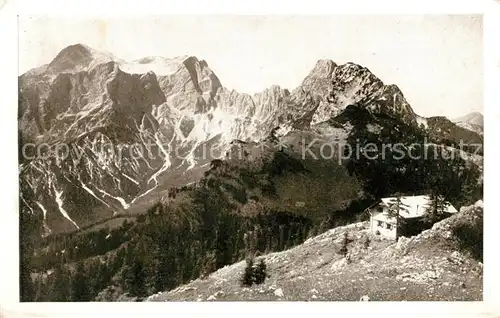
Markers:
point(426, 267)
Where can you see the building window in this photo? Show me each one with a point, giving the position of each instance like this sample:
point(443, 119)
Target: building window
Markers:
point(379, 223)
point(388, 226)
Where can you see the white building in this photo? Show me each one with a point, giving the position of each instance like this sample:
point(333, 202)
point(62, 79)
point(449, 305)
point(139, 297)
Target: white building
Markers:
point(411, 207)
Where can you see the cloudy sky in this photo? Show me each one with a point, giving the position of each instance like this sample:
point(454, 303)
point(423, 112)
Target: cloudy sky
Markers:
point(436, 60)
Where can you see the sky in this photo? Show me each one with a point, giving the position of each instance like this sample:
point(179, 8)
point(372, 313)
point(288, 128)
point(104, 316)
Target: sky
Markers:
point(436, 60)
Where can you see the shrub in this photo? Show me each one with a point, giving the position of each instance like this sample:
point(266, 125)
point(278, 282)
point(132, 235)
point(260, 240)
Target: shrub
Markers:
point(470, 238)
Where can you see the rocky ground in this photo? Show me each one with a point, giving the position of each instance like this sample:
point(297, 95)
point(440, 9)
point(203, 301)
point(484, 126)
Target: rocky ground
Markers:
point(426, 267)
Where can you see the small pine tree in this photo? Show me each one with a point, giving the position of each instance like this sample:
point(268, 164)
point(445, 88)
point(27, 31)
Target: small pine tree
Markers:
point(260, 273)
point(436, 207)
point(59, 287)
point(208, 265)
point(127, 278)
point(248, 275)
point(138, 286)
point(367, 242)
point(343, 248)
point(79, 285)
point(396, 206)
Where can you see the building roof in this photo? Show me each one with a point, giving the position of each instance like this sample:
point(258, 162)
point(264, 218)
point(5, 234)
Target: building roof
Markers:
point(384, 217)
point(415, 206)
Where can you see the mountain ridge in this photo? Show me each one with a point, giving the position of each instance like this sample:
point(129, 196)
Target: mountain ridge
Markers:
point(473, 121)
point(144, 181)
point(84, 99)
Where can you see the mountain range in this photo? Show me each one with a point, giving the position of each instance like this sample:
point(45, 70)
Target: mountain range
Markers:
point(118, 135)
point(138, 177)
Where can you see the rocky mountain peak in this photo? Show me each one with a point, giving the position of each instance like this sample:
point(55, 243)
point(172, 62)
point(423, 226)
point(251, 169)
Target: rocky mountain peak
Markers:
point(475, 118)
point(201, 75)
point(319, 79)
point(177, 104)
point(322, 69)
point(348, 71)
point(75, 53)
point(77, 56)
point(473, 121)
point(350, 84)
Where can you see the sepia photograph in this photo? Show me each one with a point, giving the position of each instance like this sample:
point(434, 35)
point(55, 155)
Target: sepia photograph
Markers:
point(250, 158)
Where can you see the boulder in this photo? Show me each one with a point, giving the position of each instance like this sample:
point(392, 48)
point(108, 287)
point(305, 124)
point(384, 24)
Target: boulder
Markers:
point(279, 292)
point(211, 297)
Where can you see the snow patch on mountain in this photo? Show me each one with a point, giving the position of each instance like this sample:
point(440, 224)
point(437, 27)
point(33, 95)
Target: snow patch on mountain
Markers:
point(159, 65)
point(124, 204)
point(59, 201)
point(93, 194)
point(422, 121)
point(43, 209)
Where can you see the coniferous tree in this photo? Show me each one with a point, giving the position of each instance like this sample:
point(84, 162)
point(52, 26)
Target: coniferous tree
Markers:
point(281, 237)
point(153, 272)
point(29, 230)
point(59, 289)
point(138, 287)
point(41, 292)
point(260, 272)
point(209, 265)
point(343, 247)
point(248, 274)
point(127, 278)
point(436, 207)
point(366, 242)
point(99, 277)
point(395, 206)
point(80, 286)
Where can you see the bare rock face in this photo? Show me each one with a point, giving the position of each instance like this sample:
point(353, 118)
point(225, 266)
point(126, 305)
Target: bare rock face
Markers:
point(116, 134)
point(77, 57)
point(353, 84)
point(192, 87)
point(319, 79)
point(67, 105)
point(279, 292)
